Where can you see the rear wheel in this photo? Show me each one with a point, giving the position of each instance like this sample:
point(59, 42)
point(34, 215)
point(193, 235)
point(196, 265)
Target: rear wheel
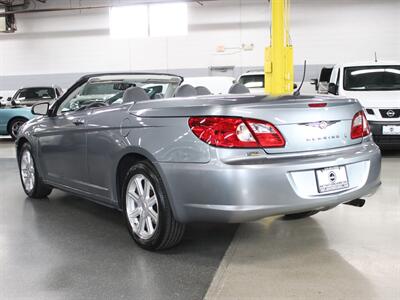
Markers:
point(301, 215)
point(14, 126)
point(147, 209)
point(30, 179)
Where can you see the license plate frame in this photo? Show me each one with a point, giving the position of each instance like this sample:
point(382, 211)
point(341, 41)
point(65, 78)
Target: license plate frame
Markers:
point(332, 179)
point(391, 129)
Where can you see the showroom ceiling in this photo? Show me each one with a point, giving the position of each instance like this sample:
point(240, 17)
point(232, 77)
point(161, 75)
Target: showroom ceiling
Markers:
point(30, 6)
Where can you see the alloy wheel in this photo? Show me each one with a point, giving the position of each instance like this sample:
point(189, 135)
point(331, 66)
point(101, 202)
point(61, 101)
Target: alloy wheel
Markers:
point(142, 206)
point(15, 127)
point(28, 170)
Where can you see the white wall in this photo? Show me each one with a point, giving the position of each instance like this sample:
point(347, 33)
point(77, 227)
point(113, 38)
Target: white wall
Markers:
point(323, 32)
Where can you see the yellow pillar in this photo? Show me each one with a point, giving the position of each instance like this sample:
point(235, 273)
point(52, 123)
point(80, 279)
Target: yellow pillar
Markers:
point(278, 66)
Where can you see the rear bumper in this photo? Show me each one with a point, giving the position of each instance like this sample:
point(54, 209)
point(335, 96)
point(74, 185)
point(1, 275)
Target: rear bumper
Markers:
point(384, 141)
point(249, 190)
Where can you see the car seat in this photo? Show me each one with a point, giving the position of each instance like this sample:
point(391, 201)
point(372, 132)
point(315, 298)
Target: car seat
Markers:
point(185, 90)
point(134, 94)
point(202, 91)
point(238, 88)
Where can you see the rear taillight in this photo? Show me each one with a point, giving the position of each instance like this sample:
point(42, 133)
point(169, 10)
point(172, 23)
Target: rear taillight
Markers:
point(359, 126)
point(232, 132)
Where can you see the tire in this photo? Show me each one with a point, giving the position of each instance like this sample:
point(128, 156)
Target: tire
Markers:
point(301, 215)
point(14, 125)
point(30, 178)
point(147, 211)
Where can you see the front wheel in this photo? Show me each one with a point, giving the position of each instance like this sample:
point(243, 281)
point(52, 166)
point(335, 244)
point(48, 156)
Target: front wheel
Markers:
point(14, 126)
point(301, 215)
point(147, 209)
point(30, 179)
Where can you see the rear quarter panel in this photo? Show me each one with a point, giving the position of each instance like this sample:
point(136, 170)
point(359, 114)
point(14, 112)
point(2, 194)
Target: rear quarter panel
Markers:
point(114, 133)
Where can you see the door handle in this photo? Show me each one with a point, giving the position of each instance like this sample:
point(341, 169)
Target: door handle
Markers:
point(78, 122)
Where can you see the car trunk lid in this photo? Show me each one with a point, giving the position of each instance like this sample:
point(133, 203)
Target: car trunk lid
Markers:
point(305, 128)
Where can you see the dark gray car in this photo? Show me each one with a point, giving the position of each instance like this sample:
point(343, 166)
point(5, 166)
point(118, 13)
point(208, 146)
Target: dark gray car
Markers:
point(28, 96)
point(167, 162)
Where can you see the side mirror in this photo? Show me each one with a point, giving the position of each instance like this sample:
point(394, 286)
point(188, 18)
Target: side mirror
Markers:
point(40, 109)
point(9, 99)
point(295, 86)
point(332, 89)
point(314, 81)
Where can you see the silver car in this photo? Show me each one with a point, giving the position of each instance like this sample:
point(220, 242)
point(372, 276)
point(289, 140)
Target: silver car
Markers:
point(180, 158)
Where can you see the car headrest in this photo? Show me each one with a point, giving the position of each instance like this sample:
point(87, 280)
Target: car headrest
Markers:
point(239, 88)
point(185, 90)
point(158, 96)
point(202, 90)
point(134, 94)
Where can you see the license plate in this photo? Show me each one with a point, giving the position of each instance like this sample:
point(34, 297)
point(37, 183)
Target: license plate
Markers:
point(391, 130)
point(332, 179)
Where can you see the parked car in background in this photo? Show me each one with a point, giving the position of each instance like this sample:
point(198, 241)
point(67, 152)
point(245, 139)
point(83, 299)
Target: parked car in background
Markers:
point(321, 84)
point(28, 96)
point(215, 84)
point(254, 81)
point(12, 118)
point(377, 86)
point(210, 158)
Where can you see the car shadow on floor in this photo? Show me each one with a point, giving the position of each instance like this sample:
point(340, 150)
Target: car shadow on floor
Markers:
point(6, 140)
point(390, 153)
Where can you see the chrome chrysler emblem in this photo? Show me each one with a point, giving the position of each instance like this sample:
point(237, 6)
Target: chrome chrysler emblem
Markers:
point(320, 124)
point(323, 124)
point(390, 113)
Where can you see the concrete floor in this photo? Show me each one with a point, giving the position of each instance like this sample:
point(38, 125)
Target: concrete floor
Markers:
point(7, 147)
point(68, 248)
point(345, 253)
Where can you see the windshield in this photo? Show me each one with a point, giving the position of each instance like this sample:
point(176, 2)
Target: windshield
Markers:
point(252, 81)
point(100, 88)
point(109, 90)
point(40, 93)
point(372, 78)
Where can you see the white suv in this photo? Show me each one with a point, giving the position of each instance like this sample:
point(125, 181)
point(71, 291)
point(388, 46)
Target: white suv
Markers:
point(254, 81)
point(377, 86)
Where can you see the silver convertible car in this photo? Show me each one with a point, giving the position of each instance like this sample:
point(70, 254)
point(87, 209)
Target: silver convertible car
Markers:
point(171, 157)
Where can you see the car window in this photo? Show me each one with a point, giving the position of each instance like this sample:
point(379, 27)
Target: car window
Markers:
point(252, 81)
point(99, 88)
point(325, 74)
point(372, 78)
point(109, 91)
point(29, 94)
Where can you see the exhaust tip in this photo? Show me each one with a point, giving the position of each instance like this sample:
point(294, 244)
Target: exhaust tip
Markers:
point(356, 202)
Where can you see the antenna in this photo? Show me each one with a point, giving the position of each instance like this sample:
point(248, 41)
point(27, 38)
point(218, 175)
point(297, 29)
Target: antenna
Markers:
point(297, 92)
point(376, 57)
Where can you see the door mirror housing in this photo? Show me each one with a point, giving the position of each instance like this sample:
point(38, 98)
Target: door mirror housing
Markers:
point(333, 88)
point(314, 81)
point(40, 109)
point(9, 99)
point(15, 102)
